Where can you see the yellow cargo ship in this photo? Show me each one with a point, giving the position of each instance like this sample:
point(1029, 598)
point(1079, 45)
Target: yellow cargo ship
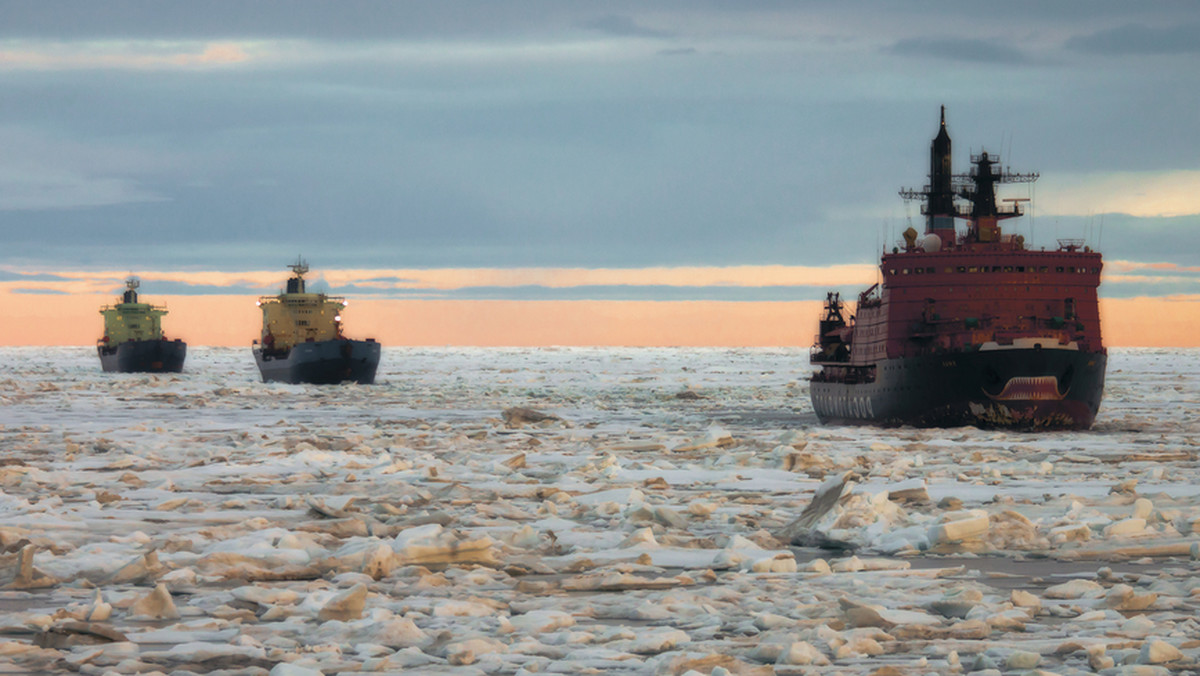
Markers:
point(302, 340)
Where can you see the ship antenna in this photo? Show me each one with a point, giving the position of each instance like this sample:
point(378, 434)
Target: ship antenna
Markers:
point(300, 267)
point(132, 282)
point(1032, 222)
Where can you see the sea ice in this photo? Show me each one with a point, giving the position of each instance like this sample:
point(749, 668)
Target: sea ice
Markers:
point(407, 526)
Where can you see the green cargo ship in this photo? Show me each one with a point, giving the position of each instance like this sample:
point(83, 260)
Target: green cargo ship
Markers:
point(133, 339)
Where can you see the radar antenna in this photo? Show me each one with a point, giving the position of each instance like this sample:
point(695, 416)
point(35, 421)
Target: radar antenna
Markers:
point(132, 283)
point(300, 267)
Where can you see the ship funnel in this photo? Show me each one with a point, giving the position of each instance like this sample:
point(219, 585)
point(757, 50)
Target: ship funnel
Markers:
point(131, 286)
point(296, 284)
point(940, 207)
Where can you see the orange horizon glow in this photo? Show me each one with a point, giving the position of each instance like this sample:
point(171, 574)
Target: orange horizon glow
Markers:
point(235, 321)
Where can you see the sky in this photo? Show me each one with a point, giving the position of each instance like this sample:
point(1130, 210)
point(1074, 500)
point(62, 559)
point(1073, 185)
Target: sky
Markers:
point(683, 162)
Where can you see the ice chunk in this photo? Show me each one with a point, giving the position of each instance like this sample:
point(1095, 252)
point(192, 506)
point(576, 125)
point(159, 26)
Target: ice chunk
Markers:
point(1075, 589)
point(157, 605)
point(347, 605)
point(431, 544)
point(286, 669)
point(801, 653)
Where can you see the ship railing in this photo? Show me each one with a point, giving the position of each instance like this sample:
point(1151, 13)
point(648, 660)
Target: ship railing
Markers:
point(320, 297)
point(149, 307)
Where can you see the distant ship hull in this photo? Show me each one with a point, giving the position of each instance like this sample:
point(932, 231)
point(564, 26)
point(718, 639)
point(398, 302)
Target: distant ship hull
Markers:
point(143, 356)
point(321, 362)
point(1020, 389)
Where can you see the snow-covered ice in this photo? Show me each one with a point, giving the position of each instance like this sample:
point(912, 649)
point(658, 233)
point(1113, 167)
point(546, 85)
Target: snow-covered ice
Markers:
point(649, 522)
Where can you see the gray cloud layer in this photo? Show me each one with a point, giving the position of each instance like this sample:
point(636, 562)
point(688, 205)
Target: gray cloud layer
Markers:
point(382, 134)
point(1140, 39)
point(974, 51)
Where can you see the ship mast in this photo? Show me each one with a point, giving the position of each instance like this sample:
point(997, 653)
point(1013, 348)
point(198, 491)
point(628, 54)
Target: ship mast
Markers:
point(977, 187)
point(984, 217)
point(940, 206)
point(939, 194)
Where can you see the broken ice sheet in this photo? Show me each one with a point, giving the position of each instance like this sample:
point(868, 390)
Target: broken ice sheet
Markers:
point(211, 519)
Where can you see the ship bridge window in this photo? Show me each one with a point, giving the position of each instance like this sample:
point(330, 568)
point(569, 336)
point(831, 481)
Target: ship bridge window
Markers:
point(961, 268)
point(1043, 269)
point(972, 269)
point(1008, 268)
point(1058, 269)
point(929, 270)
point(1020, 268)
point(949, 270)
point(904, 271)
point(892, 271)
point(1095, 271)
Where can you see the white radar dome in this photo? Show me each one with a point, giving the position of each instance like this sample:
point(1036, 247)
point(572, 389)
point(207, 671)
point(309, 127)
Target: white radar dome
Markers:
point(931, 243)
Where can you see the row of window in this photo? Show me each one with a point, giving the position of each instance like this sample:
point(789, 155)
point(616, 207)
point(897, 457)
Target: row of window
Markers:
point(1070, 269)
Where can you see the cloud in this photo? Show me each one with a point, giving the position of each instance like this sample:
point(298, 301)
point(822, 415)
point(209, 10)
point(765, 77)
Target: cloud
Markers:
point(37, 291)
point(389, 280)
point(174, 288)
point(7, 276)
point(66, 190)
point(685, 283)
point(623, 26)
point(1123, 278)
point(1145, 194)
point(484, 134)
point(1134, 288)
point(605, 292)
point(45, 172)
point(1138, 267)
point(1139, 39)
point(747, 276)
point(135, 55)
point(1128, 279)
point(960, 49)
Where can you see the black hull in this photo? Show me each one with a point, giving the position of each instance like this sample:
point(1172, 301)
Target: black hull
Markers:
point(1022, 389)
point(143, 356)
point(321, 363)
